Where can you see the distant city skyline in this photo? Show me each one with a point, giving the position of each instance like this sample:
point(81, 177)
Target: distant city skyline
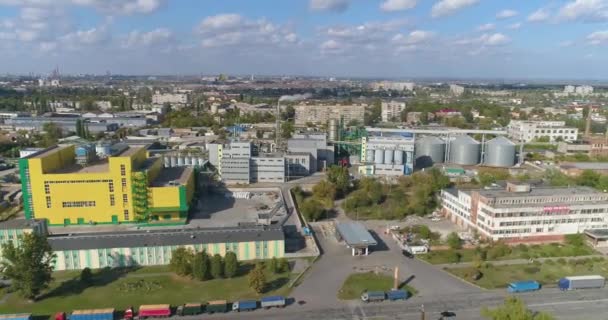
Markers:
point(406, 39)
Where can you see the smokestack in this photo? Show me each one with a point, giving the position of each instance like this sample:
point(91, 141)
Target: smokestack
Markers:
point(588, 123)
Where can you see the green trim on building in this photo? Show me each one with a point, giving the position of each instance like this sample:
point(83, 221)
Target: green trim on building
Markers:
point(24, 166)
point(167, 209)
point(246, 250)
point(216, 248)
point(183, 198)
point(276, 248)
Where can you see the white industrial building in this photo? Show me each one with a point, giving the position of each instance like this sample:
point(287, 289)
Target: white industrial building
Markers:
point(387, 155)
point(392, 110)
point(528, 131)
point(523, 213)
point(456, 89)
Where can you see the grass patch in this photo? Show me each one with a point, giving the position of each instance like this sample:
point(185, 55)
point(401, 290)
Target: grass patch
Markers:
point(555, 250)
point(356, 283)
point(120, 288)
point(546, 273)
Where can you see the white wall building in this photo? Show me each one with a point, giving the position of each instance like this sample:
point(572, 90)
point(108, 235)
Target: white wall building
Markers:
point(523, 213)
point(322, 114)
point(569, 89)
point(392, 110)
point(171, 98)
point(527, 131)
point(584, 90)
point(392, 85)
point(456, 89)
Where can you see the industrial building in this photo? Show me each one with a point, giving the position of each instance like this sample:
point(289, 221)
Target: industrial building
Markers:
point(520, 212)
point(170, 98)
point(67, 124)
point(387, 155)
point(69, 184)
point(12, 230)
point(528, 131)
point(315, 144)
point(321, 114)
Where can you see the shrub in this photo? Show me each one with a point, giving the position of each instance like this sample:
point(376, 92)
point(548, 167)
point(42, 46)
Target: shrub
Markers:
point(231, 264)
point(550, 262)
point(531, 270)
point(86, 276)
point(522, 247)
point(561, 261)
point(577, 240)
point(454, 241)
point(524, 255)
point(498, 250)
point(453, 256)
point(217, 266)
point(536, 263)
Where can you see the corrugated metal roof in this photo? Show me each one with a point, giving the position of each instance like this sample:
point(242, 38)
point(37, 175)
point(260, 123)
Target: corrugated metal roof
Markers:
point(355, 234)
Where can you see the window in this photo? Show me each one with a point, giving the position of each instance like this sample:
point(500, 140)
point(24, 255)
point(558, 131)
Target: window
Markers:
point(48, 202)
point(78, 204)
point(112, 200)
point(123, 182)
point(111, 186)
point(125, 199)
point(126, 214)
point(123, 170)
point(47, 188)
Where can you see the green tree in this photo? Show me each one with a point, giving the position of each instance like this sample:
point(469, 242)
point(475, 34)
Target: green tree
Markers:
point(217, 266)
point(283, 265)
point(513, 309)
point(200, 266)
point(257, 278)
point(287, 130)
point(86, 276)
point(52, 134)
point(325, 192)
point(454, 241)
point(29, 265)
point(273, 265)
point(231, 264)
point(181, 261)
point(312, 209)
point(340, 178)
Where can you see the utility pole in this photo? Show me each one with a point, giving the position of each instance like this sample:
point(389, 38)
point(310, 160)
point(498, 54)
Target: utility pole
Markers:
point(422, 312)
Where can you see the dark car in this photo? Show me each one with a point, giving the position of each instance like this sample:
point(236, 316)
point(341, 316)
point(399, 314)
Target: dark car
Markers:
point(447, 314)
point(407, 254)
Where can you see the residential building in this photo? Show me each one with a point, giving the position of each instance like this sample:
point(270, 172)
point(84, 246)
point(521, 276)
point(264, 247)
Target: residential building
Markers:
point(321, 114)
point(528, 131)
point(391, 85)
point(447, 113)
point(67, 124)
point(416, 117)
point(569, 89)
point(170, 98)
point(456, 90)
point(522, 213)
point(12, 115)
point(584, 90)
point(391, 111)
point(126, 187)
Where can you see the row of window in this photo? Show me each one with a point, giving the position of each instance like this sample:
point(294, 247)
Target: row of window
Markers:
point(554, 221)
point(78, 204)
point(77, 181)
point(549, 199)
point(541, 214)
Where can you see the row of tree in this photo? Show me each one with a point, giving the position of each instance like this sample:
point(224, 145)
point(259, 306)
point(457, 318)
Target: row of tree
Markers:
point(201, 266)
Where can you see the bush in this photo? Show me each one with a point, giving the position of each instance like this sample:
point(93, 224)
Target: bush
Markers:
point(283, 265)
point(524, 255)
point(181, 261)
point(273, 265)
point(550, 262)
point(217, 267)
point(231, 264)
point(454, 241)
point(536, 263)
point(531, 270)
point(522, 247)
point(498, 250)
point(86, 276)
point(561, 261)
point(577, 240)
point(453, 256)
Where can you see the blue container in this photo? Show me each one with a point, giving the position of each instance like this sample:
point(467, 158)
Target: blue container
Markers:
point(523, 286)
point(397, 295)
point(96, 314)
point(272, 302)
point(17, 316)
point(245, 305)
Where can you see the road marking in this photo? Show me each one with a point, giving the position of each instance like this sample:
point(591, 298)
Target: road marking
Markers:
point(566, 302)
point(362, 311)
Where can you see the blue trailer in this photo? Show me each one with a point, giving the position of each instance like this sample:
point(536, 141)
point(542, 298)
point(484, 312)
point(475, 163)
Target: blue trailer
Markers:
point(581, 282)
point(523, 286)
point(397, 295)
point(16, 316)
point(244, 305)
point(373, 296)
point(272, 302)
point(93, 314)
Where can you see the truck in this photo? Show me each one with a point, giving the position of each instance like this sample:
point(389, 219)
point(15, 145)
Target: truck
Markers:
point(189, 309)
point(217, 306)
point(393, 295)
point(16, 316)
point(373, 296)
point(154, 311)
point(244, 305)
point(272, 302)
point(93, 314)
point(523, 286)
point(581, 282)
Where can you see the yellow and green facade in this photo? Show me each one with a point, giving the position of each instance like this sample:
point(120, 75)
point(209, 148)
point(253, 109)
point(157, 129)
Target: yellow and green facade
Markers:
point(115, 191)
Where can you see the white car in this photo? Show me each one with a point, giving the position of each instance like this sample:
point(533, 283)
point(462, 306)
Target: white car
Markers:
point(435, 219)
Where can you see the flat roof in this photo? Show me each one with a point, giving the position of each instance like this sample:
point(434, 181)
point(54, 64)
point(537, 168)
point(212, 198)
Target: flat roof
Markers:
point(94, 167)
point(167, 176)
point(168, 237)
point(18, 224)
point(601, 234)
point(355, 234)
point(586, 165)
point(47, 151)
point(536, 192)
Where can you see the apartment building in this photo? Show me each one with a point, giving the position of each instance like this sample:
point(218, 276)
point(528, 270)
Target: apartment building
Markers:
point(321, 114)
point(520, 212)
point(171, 98)
point(391, 111)
point(528, 131)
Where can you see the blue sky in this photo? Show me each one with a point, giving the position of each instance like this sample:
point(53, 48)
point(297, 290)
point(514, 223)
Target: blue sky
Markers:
point(362, 38)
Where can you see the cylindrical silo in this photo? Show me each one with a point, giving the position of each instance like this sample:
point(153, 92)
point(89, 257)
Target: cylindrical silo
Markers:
point(398, 157)
point(369, 157)
point(500, 152)
point(388, 156)
point(429, 150)
point(173, 161)
point(201, 161)
point(167, 161)
point(379, 156)
point(464, 150)
point(180, 161)
point(333, 130)
point(187, 160)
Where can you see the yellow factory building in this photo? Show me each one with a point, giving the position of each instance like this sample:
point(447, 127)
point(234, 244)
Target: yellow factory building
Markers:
point(69, 185)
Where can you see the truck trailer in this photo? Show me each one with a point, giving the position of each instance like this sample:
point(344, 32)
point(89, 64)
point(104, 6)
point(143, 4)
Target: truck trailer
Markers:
point(244, 305)
point(154, 311)
point(581, 282)
point(93, 314)
point(189, 309)
point(397, 295)
point(217, 306)
point(523, 286)
point(272, 302)
point(16, 316)
point(373, 296)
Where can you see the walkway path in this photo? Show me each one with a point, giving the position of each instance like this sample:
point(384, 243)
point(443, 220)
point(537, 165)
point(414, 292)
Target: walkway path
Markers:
point(514, 261)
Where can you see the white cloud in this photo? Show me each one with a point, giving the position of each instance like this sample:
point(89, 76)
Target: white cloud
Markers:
point(414, 37)
point(514, 26)
point(221, 21)
point(448, 7)
point(507, 13)
point(565, 44)
point(110, 7)
point(539, 15)
point(88, 37)
point(486, 39)
point(155, 37)
point(329, 5)
point(585, 10)
point(598, 37)
point(486, 27)
point(398, 5)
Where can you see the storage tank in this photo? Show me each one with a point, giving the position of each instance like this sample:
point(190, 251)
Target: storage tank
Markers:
point(464, 150)
point(333, 130)
point(398, 157)
point(187, 160)
point(428, 151)
point(369, 156)
point(379, 156)
point(180, 161)
point(388, 156)
point(173, 161)
point(499, 152)
point(167, 162)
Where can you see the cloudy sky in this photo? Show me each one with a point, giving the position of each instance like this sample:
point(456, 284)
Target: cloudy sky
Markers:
point(369, 38)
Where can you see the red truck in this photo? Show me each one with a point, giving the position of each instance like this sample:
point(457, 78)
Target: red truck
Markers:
point(154, 311)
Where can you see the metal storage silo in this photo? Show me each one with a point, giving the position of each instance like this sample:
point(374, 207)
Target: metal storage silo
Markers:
point(333, 130)
point(464, 150)
point(187, 160)
point(429, 150)
point(180, 161)
point(398, 157)
point(379, 156)
point(201, 161)
point(369, 157)
point(173, 161)
point(167, 162)
point(500, 152)
point(388, 156)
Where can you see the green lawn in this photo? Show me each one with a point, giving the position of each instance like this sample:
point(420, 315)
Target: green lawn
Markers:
point(546, 273)
point(356, 283)
point(122, 288)
point(517, 252)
